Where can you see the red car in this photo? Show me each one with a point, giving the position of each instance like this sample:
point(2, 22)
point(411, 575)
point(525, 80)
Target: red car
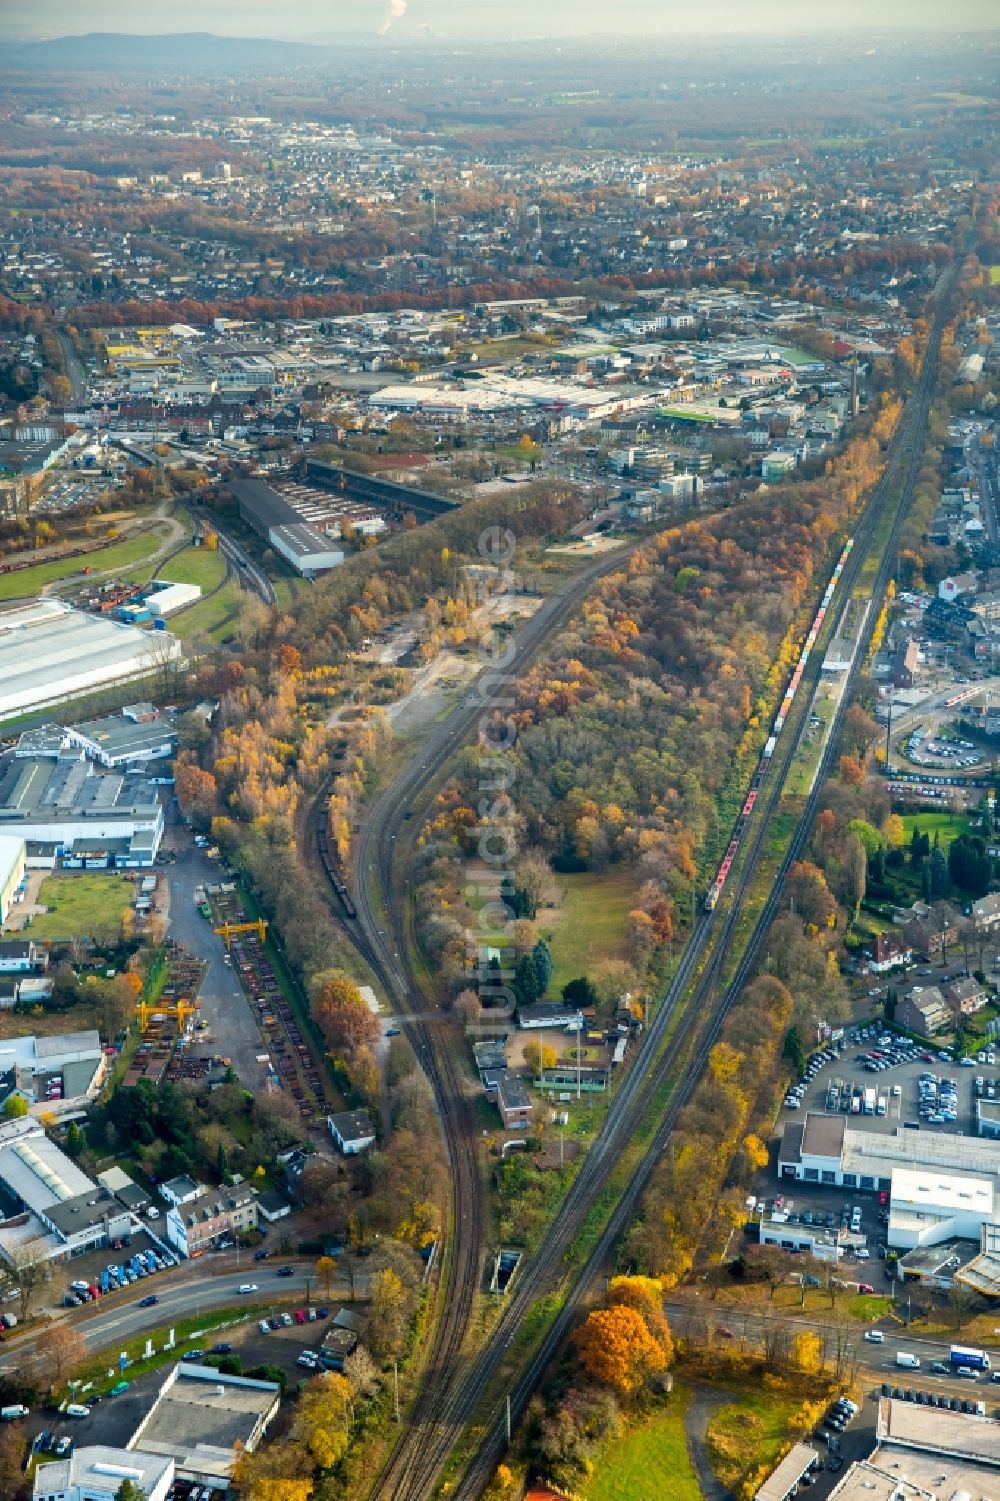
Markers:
point(865, 1287)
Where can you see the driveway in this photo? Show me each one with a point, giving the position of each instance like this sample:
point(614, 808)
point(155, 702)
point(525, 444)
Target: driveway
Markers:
point(697, 1417)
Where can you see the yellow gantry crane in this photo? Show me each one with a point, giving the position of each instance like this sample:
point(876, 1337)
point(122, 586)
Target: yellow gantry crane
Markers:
point(228, 929)
point(182, 1013)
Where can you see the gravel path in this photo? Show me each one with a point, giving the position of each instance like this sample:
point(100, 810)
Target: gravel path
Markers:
point(699, 1412)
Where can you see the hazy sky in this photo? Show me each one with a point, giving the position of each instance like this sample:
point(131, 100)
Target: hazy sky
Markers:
point(464, 18)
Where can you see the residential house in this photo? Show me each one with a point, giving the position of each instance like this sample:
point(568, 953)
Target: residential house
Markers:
point(926, 939)
point(891, 949)
point(199, 1224)
point(965, 997)
point(986, 912)
point(19, 956)
point(924, 1012)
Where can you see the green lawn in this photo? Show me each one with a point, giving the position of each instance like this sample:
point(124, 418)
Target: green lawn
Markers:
point(195, 565)
point(590, 925)
point(120, 556)
point(81, 904)
point(945, 825)
point(210, 616)
point(748, 1433)
point(995, 276)
point(649, 1464)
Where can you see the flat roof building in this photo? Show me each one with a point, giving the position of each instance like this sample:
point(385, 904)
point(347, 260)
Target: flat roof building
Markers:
point(202, 1420)
point(352, 1130)
point(96, 1473)
point(13, 862)
point(825, 1149)
point(50, 653)
point(63, 801)
point(927, 1208)
point(783, 1482)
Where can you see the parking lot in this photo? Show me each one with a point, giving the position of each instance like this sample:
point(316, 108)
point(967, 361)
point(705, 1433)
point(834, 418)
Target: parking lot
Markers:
point(113, 1420)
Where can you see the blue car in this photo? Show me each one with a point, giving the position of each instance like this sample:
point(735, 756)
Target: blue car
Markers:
point(148, 1302)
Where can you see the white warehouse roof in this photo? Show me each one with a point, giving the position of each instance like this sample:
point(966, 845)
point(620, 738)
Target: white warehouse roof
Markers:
point(50, 652)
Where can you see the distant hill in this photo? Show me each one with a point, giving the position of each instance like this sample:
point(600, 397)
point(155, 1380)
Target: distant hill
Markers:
point(120, 52)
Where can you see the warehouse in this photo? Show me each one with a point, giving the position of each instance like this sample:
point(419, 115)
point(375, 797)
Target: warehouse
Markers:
point(96, 1473)
point(50, 652)
point(72, 1061)
point(13, 860)
point(164, 598)
point(91, 817)
point(202, 1420)
point(139, 733)
point(279, 523)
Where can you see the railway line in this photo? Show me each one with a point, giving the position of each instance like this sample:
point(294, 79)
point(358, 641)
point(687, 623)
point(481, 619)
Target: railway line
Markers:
point(905, 451)
point(453, 1388)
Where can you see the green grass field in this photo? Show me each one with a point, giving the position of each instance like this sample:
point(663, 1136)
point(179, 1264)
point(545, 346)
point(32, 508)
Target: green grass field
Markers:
point(80, 904)
point(944, 825)
point(590, 926)
point(195, 565)
point(210, 616)
point(120, 556)
point(995, 276)
point(650, 1463)
point(747, 1433)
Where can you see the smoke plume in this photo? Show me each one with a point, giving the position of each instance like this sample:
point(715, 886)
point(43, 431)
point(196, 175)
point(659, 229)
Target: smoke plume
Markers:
point(395, 11)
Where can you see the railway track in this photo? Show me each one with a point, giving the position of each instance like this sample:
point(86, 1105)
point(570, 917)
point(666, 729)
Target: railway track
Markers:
point(452, 1388)
point(905, 449)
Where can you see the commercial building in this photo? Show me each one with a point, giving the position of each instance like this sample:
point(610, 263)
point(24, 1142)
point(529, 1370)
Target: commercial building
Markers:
point(69, 1066)
point(203, 1420)
point(140, 733)
point(13, 860)
point(50, 652)
point(352, 1130)
point(927, 1208)
point(97, 1473)
point(54, 1211)
point(825, 1149)
point(198, 1224)
point(549, 1014)
point(91, 817)
point(925, 1454)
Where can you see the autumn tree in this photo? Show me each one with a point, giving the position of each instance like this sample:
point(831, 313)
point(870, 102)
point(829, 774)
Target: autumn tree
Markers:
point(326, 1269)
point(389, 1315)
point(323, 1420)
point(274, 1472)
point(645, 1295)
point(615, 1347)
point(343, 1017)
point(58, 1351)
point(14, 1485)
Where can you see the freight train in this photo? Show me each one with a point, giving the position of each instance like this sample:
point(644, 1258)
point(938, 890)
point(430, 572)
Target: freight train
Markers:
point(757, 781)
point(331, 865)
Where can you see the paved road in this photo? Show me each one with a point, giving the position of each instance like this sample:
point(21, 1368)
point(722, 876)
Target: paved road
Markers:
point(232, 1026)
point(73, 369)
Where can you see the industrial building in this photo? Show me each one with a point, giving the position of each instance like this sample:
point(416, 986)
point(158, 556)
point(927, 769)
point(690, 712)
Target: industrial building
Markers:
point(163, 598)
point(203, 1420)
point(96, 1473)
point(72, 1063)
point(13, 860)
point(927, 1208)
point(921, 1453)
point(279, 523)
point(90, 817)
point(50, 653)
point(352, 1130)
point(137, 734)
point(52, 1210)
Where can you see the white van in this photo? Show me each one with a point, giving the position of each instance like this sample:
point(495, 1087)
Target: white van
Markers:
point(77, 1410)
point(904, 1358)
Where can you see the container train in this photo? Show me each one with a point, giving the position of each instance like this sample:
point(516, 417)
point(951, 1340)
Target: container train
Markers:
point(757, 781)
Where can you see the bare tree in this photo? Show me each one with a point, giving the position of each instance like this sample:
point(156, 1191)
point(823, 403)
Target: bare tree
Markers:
point(27, 1269)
